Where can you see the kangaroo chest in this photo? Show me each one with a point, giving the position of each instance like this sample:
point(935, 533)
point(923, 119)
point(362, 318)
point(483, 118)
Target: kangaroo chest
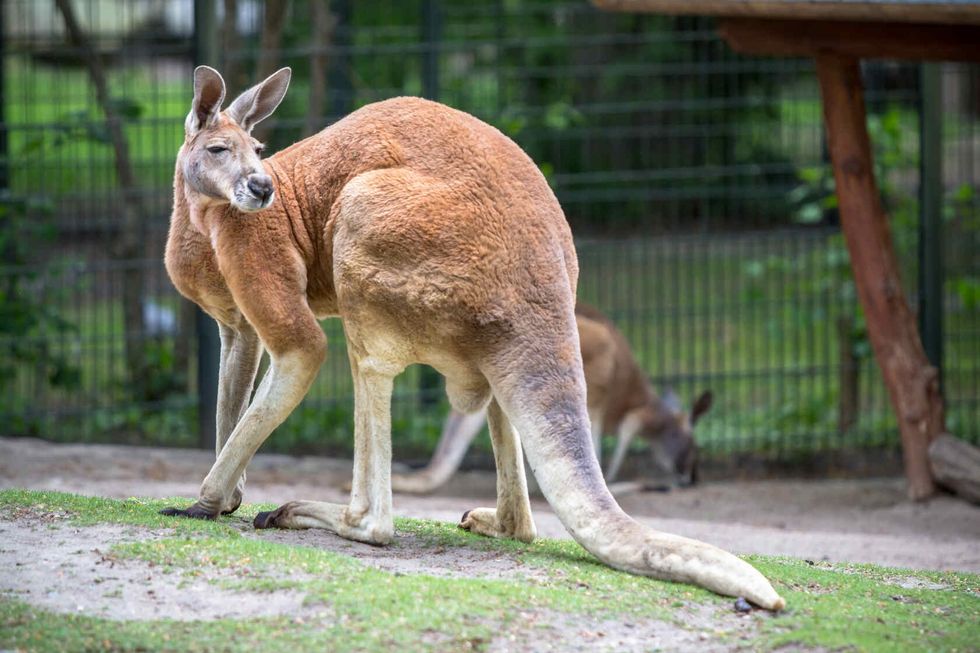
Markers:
point(193, 269)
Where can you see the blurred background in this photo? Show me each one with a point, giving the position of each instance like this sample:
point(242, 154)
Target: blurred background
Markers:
point(696, 182)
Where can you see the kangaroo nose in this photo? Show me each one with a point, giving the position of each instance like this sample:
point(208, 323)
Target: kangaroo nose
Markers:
point(260, 186)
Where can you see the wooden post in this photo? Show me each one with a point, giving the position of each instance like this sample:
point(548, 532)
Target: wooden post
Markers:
point(913, 384)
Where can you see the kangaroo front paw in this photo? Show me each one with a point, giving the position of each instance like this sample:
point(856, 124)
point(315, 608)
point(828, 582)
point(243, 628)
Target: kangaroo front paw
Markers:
point(484, 521)
point(194, 512)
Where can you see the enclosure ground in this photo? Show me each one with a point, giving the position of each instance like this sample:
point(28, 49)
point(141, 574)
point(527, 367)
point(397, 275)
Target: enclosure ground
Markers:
point(88, 573)
point(836, 520)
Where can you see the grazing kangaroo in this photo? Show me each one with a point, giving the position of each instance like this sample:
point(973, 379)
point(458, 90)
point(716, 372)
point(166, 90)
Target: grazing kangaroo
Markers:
point(619, 399)
point(435, 239)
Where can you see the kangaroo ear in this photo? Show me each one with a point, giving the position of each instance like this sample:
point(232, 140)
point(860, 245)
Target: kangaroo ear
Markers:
point(209, 93)
point(701, 405)
point(257, 103)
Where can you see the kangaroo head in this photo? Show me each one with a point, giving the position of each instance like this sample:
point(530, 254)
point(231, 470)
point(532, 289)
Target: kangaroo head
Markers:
point(220, 160)
point(670, 431)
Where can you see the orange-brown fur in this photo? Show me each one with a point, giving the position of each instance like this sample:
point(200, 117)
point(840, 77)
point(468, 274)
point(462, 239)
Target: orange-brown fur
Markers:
point(435, 239)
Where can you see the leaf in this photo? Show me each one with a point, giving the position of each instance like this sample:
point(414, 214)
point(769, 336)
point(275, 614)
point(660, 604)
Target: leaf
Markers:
point(755, 269)
point(809, 214)
point(968, 291)
point(798, 194)
point(891, 123)
point(127, 108)
point(561, 115)
point(829, 202)
point(811, 174)
point(964, 193)
point(33, 144)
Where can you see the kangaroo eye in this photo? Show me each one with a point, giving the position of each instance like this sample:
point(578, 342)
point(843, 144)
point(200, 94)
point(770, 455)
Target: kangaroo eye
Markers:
point(260, 149)
point(217, 149)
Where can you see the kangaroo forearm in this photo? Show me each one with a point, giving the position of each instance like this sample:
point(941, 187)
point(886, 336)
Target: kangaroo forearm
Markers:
point(240, 353)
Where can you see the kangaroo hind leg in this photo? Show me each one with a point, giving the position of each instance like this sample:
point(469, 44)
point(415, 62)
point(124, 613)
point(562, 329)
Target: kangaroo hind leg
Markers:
point(368, 516)
point(512, 517)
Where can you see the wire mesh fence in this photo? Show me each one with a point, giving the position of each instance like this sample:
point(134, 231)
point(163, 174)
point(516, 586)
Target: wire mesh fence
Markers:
point(695, 181)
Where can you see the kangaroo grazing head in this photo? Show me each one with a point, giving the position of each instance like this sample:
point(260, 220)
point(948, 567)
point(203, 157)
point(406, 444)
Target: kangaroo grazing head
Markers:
point(219, 159)
point(670, 432)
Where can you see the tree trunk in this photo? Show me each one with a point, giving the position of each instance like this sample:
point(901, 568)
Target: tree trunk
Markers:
point(269, 54)
point(128, 246)
point(322, 24)
point(231, 49)
point(913, 384)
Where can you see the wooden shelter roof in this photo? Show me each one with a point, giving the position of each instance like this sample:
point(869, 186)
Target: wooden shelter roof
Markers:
point(950, 12)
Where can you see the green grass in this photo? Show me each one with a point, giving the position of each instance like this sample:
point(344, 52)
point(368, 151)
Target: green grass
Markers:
point(830, 606)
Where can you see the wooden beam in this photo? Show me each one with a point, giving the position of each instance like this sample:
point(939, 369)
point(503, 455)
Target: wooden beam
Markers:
point(860, 40)
point(913, 384)
point(950, 13)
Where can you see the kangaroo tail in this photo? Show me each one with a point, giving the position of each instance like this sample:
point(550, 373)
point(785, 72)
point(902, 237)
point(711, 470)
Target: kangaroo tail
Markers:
point(540, 385)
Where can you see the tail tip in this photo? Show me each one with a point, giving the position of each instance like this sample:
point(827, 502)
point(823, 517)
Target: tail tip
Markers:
point(775, 604)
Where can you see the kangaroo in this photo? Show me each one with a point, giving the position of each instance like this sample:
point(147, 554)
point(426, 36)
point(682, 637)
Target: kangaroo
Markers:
point(619, 399)
point(434, 239)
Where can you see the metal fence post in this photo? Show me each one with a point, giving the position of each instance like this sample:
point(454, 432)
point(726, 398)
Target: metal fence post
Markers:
point(4, 161)
point(341, 88)
point(931, 213)
point(208, 343)
point(431, 35)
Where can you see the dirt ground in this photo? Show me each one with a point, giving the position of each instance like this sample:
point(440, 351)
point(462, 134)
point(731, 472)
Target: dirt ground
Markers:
point(866, 520)
point(71, 570)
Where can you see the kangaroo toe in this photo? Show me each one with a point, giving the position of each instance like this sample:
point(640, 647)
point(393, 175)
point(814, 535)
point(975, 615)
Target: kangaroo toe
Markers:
point(193, 512)
point(267, 519)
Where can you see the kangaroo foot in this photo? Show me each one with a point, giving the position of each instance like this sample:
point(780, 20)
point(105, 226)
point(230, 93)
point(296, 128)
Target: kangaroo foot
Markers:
point(417, 483)
point(236, 501)
point(194, 512)
point(353, 525)
point(484, 521)
point(273, 518)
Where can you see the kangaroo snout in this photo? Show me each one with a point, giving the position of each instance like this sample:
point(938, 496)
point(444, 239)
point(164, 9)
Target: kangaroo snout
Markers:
point(261, 187)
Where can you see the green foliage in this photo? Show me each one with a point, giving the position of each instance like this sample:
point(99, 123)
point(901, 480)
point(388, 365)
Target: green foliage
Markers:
point(827, 272)
point(29, 316)
point(581, 91)
point(165, 378)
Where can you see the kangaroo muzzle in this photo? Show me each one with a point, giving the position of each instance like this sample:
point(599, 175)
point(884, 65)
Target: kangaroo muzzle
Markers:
point(261, 191)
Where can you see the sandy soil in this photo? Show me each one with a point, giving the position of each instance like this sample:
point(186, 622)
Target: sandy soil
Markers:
point(54, 564)
point(839, 520)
